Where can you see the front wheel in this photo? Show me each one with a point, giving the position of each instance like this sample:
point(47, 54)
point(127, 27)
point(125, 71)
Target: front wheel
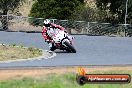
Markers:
point(70, 47)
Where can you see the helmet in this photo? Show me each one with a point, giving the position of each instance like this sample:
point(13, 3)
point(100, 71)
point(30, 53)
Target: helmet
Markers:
point(47, 23)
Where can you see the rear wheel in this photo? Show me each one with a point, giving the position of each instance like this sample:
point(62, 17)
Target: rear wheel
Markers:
point(70, 48)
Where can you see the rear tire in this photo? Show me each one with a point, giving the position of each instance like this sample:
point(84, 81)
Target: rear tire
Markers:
point(70, 48)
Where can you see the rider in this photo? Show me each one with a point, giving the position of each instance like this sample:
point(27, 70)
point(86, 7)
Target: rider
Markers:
point(46, 28)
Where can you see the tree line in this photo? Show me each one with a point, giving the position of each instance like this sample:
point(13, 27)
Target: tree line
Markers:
point(112, 11)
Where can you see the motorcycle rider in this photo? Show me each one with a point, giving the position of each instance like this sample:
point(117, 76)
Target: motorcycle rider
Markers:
point(48, 27)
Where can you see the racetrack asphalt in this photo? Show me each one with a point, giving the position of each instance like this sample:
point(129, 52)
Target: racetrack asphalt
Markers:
point(91, 50)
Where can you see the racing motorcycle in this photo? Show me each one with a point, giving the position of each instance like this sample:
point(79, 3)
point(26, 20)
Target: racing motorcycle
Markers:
point(62, 40)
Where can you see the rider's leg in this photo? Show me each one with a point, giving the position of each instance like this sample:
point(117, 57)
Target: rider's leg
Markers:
point(52, 46)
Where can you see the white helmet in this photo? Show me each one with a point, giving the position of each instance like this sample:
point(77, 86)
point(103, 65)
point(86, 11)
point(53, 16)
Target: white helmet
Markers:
point(47, 23)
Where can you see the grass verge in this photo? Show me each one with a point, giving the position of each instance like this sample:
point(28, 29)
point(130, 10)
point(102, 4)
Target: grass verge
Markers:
point(11, 52)
point(65, 80)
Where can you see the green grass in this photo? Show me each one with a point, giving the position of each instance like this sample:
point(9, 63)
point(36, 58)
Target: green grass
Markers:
point(67, 80)
point(11, 52)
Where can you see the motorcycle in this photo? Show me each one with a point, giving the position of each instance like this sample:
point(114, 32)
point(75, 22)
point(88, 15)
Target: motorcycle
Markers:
point(62, 40)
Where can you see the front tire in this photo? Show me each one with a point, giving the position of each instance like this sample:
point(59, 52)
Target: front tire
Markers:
point(70, 47)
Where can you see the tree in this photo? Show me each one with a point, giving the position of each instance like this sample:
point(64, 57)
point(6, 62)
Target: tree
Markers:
point(57, 9)
point(116, 8)
point(86, 13)
point(5, 6)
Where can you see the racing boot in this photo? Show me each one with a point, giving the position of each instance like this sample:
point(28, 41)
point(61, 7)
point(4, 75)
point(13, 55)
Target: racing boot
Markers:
point(52, 46)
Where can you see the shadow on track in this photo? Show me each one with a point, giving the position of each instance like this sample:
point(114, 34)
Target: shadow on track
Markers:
point(60, 51)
